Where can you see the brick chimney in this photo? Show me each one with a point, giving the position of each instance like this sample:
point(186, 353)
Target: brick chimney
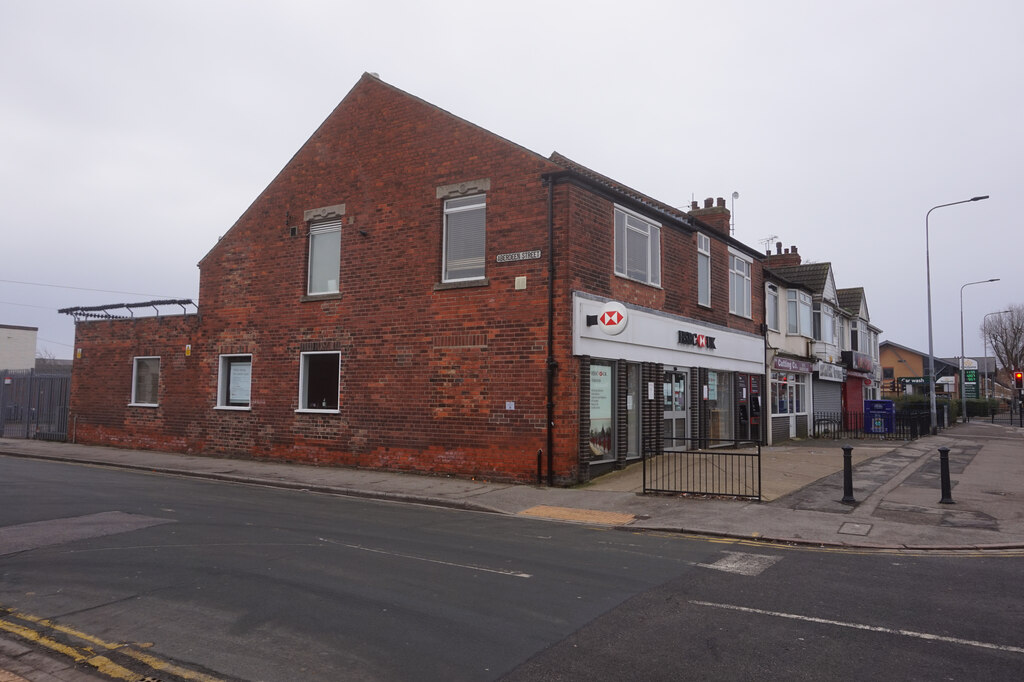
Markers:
point(714, 214)
point(783, 259)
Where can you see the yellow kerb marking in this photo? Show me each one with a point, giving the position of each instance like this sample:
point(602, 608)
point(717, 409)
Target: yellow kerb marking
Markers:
point(580, 515)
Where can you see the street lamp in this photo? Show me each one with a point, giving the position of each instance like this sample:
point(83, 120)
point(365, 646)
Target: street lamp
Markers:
point(963, 357)
point(928, 272)
point(984, 345)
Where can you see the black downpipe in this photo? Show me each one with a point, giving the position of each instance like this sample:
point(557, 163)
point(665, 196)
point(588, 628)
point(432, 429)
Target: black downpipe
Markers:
point(552, 365)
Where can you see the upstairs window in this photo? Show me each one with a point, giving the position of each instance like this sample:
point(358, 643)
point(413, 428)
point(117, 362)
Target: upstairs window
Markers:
point(739, 286)
point(771, 307)
point(145, 381)
point(637, 248)
point(824, 323)
point(234, 381)
point(324, 257)
point(854, 336)
point(465, 243)
point(798, 310)
point(703, 270)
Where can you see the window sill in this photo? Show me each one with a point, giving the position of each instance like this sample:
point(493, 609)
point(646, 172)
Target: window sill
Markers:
point(317, 411)
point(321, 297)
point(741, 315)
point(142, 405)
point(464, 284)
point(233, 408)
point(638, 281)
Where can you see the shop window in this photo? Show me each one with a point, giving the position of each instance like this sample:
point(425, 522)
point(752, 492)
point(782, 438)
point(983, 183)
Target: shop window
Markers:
point(145, 381)
point(703, 270)
point(319, 382)
point(324, 257)
point(637, 248)
point(789, 393)
point(602, 403)
point(234, 381)
point(465, 238)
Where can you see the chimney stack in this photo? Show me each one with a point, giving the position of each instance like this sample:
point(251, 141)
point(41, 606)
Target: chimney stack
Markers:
point(784, 258)
point(714, 214)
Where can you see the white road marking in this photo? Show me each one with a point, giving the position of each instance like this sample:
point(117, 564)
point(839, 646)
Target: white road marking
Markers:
point(499, 571)
point(869, 628)
point(743, 563)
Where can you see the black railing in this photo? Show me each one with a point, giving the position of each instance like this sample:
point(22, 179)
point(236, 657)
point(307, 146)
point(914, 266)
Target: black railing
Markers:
point(844, 425)
point(722, 467)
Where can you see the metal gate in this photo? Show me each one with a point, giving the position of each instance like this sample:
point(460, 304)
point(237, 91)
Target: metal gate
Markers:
point(721, 468)
point(34, 405)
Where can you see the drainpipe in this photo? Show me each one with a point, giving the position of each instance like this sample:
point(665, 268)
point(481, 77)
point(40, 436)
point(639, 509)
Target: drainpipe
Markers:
point(552, 364)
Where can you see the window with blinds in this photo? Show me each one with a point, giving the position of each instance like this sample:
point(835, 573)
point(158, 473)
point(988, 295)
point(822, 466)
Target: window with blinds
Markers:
point(465, 238)
point(324, 257)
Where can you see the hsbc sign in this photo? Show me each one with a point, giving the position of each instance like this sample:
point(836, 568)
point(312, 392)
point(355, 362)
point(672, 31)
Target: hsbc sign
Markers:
point(698, 340)
point(612, 318)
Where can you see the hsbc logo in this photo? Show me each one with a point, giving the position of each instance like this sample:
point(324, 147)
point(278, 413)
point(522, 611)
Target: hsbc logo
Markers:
point(698, 340)
point(613, 318)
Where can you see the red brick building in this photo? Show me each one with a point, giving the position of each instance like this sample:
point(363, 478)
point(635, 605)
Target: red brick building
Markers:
point(413, 292)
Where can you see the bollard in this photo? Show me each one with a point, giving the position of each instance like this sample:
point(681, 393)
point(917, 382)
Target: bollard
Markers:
point(947, 495)
point(848, 474)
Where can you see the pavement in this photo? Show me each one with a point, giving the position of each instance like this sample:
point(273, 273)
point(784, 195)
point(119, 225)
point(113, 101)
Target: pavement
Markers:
point(896, 487)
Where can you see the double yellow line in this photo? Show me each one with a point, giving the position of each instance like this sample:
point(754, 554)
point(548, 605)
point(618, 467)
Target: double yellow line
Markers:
point(34, 629)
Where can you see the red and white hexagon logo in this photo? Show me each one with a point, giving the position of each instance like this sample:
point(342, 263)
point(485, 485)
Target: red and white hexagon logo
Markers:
point(612, 318)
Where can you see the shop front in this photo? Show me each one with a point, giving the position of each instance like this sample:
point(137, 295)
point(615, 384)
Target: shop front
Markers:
point(791, 398)
point(651, 382)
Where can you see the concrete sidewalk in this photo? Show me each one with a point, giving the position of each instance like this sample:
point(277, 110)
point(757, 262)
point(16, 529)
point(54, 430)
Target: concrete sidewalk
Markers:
point(896, 486)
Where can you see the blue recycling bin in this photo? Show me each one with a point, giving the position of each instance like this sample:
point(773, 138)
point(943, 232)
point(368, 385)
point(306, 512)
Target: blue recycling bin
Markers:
point(879, 416)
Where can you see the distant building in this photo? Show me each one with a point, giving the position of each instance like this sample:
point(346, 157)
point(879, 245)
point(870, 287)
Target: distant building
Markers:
point(17, 347)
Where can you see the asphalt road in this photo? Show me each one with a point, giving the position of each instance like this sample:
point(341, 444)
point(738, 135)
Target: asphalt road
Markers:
point(259, 584)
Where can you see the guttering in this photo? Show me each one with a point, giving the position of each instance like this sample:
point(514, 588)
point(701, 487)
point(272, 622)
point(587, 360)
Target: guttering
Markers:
point(552, 364)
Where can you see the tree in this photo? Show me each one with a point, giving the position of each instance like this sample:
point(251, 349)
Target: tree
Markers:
point(1005, 336)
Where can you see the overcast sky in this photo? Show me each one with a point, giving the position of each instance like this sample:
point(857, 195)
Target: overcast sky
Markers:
point(133, 134)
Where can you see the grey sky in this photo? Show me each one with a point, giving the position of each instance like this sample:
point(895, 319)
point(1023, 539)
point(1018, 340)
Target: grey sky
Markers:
point(133, 134)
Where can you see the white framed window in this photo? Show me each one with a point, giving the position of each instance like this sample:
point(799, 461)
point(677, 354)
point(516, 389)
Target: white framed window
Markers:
point(465, 238)
point(324, 257)
point(637, 247)
point(739, 285)
point(703, 270)
point(854, 336)
point(234, 382)
point(824, 323)
point(145, 381)
point(319, 381)
point(798, 310)
point(771, 307)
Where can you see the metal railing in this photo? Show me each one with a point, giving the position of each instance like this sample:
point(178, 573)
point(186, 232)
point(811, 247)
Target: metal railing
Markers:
point(722, 467)
point(846, 425)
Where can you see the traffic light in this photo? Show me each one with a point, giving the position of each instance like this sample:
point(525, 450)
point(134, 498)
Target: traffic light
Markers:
point(1018, 379)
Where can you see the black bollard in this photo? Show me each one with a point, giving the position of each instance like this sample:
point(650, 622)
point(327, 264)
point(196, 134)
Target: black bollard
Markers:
point(848, 474)
point(947, 494)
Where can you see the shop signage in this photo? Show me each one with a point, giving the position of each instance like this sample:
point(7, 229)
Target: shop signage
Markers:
point(792, 365)
point(699, 340)
point(829, 372)
point(915, 381)
point(517, 256)
point(858, 361)
point(612, 318)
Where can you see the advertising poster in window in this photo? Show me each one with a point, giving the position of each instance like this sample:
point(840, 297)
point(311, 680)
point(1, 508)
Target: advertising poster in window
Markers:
point(601, 411)
point(239, 382)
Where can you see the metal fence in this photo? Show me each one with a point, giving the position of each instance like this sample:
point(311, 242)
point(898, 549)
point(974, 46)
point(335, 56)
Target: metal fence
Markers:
point(728, 467)
point(34, 405)
point(845, 425)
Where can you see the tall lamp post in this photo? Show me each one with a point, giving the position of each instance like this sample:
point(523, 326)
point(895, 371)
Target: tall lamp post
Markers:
point(963, 357)
point(984, 343)
point(928, 272)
